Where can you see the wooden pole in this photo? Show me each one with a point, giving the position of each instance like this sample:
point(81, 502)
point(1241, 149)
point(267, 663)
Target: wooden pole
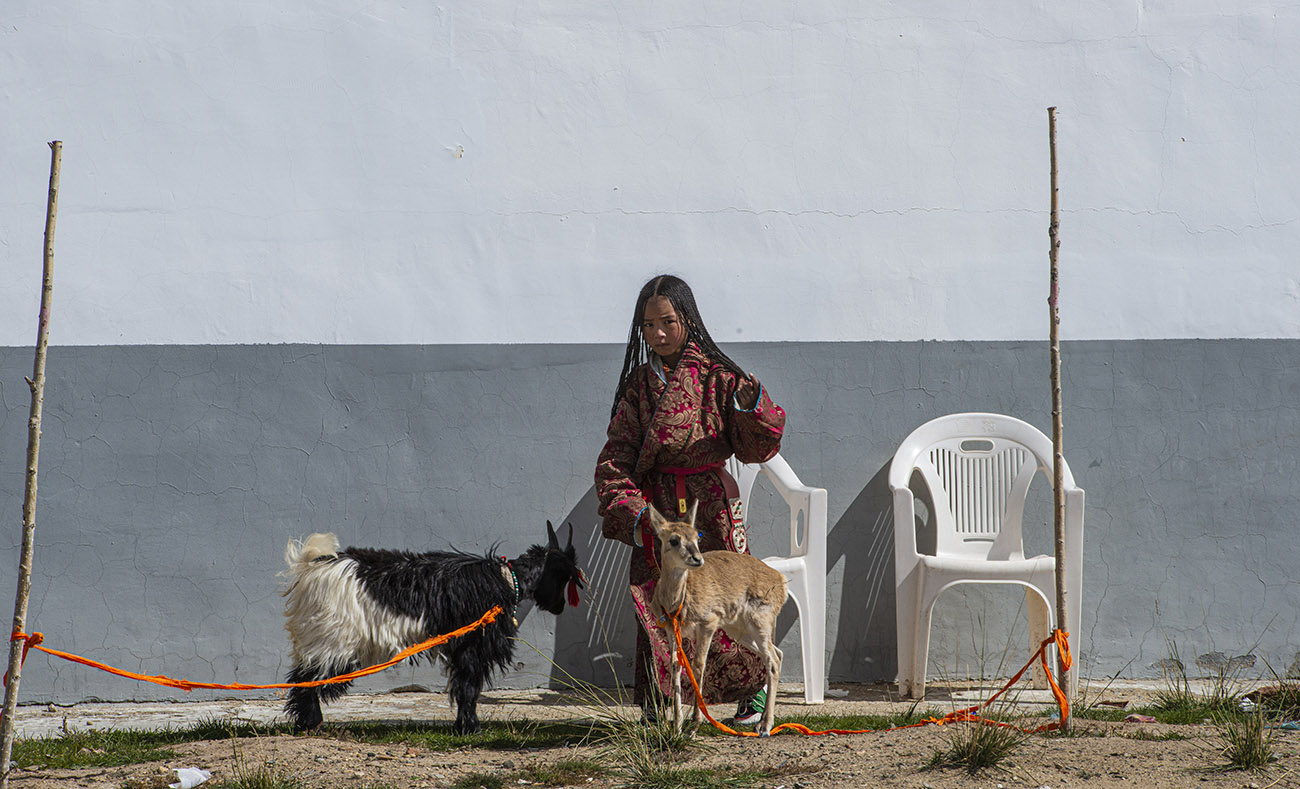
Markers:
point(1058, 453)
point(37, 384)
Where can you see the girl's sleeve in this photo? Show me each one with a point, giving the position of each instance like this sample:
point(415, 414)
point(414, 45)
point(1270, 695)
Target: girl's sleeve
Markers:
point(621, 500)
point(755, 432)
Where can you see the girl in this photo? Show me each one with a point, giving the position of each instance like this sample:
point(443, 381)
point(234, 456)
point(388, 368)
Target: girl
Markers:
point(681, 409)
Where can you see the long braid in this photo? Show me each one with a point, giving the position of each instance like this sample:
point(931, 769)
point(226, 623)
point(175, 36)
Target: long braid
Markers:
point(680, 296)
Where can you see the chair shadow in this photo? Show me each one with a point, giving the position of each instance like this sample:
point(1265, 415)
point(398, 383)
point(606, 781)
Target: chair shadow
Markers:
point(862, 541)
point(597, 642)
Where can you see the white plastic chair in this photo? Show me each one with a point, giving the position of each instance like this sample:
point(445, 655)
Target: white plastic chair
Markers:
point(805, 567)
point(978, 468)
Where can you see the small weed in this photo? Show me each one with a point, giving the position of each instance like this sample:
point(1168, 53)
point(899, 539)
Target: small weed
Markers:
point(1246, 740)
point(479, 781)
point(978, 746)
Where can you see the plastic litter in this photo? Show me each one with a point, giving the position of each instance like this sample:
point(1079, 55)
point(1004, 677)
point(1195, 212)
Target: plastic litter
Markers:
point(190, 777)
point(837, 693)
point(1136, 718)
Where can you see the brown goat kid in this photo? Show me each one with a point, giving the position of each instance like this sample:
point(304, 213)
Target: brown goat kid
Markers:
point(718, 590)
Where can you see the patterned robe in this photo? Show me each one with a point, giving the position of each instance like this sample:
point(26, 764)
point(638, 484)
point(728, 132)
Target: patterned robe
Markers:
point(690, 421)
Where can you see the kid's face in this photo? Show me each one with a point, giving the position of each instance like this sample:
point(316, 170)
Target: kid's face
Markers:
point(661, 328)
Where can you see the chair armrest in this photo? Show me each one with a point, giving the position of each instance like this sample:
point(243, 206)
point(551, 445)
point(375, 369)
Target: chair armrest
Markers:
point(800, 498)
point(905, 553)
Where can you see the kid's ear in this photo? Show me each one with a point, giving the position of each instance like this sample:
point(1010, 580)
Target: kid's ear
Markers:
point(694, 507)
point(657, 521)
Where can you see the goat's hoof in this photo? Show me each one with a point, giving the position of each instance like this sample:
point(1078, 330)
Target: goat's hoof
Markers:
point(765, 734)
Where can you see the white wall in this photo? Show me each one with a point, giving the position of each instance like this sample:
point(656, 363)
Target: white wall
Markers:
point(510, 172)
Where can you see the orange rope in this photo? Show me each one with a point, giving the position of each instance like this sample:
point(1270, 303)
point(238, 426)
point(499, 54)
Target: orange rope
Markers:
point(1058, 637)
point(34, 640)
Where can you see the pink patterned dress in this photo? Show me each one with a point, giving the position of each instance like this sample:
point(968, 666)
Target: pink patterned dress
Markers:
point(670, 435)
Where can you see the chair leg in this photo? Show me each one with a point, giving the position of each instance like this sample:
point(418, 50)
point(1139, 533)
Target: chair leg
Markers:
point(921, 657)
point(906, 613)
point(1040, 627)
point(812, 640)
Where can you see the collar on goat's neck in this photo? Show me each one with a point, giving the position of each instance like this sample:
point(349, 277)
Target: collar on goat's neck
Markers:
point(508, 572)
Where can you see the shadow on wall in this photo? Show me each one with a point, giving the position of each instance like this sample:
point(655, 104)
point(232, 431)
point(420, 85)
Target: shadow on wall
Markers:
point(597, 642)
point(865, 647)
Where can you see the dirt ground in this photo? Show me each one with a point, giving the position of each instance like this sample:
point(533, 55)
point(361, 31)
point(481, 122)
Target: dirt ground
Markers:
point(1099, 754)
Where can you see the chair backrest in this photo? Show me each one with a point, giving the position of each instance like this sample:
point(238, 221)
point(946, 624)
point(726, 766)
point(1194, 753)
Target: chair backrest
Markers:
point(978, 468)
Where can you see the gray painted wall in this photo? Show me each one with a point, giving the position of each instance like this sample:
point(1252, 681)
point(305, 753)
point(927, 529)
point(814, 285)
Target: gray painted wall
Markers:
point(171, 477)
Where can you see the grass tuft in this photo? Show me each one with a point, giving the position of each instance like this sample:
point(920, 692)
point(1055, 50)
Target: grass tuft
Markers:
point(1247, 740)
point(976, 746)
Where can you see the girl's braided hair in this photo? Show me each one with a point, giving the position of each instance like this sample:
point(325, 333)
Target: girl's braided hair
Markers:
point(680, 296)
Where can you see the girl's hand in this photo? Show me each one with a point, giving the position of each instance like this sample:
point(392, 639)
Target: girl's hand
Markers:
point(747, 392)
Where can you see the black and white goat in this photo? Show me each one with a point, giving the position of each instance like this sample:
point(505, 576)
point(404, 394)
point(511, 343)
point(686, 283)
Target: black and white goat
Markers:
point(347, 610)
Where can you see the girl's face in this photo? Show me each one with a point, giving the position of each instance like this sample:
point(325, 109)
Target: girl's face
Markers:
point(662, 330)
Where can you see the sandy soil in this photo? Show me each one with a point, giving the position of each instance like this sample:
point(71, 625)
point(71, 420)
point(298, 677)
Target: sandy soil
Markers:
point(1098, 754)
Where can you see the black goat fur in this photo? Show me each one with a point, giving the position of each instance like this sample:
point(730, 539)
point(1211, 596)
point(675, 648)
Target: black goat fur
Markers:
point(419, 595)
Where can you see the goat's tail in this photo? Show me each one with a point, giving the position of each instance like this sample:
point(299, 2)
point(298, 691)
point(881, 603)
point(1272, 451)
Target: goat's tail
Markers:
point(299, 554)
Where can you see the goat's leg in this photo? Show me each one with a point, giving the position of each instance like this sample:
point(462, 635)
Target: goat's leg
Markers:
point(303, 704)
point(760, 637)
point(468, 672)
point(703, 640)
point(675, 685)
point(774, 658)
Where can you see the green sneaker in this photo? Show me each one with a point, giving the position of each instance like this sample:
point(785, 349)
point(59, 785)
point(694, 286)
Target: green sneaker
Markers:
point(750, 710)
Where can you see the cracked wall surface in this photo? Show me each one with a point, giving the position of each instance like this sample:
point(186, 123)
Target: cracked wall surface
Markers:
point(172, 476)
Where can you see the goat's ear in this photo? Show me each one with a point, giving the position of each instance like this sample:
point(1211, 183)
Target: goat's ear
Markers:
point(657, 521)
point(694, 507)
point(551, 541)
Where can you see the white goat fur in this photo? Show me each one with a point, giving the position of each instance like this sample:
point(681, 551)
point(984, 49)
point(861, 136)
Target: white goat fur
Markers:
point(717, 590)
point(330, 619)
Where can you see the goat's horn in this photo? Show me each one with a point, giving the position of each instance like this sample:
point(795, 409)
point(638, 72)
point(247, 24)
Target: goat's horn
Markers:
point(551, 540)
point(570, 545)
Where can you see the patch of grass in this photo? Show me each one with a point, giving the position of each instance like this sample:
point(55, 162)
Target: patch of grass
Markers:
point(115, 748)
point(859, 722)
point(666, 776)
point(1282, 700)
point(495, 735)
point(644, 750)
point(262, 776)
point(226, 728)
point(566, 772)
point(1147, 735)
point(118, 747)
point(977, 746)
point(1246, 740)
